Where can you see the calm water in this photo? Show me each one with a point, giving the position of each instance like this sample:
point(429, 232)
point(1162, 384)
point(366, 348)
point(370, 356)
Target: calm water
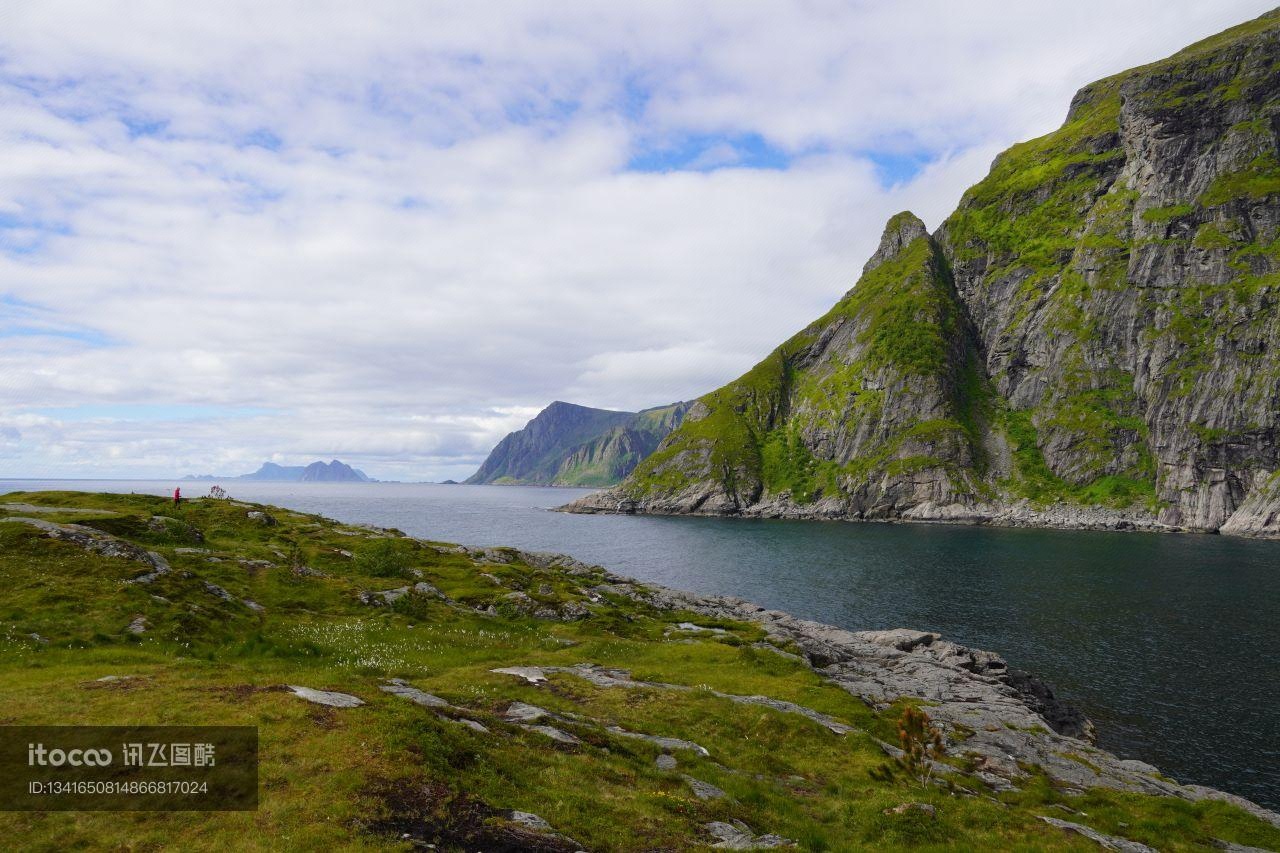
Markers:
point(1169, 642)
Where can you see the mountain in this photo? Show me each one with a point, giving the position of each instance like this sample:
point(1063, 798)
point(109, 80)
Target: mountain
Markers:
point(1091, 339)
point(316, 472)
point(270, 471)
point(570, 445)
point(333, 472)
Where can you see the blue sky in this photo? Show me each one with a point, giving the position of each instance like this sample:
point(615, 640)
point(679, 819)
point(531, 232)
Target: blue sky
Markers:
point(390, 232)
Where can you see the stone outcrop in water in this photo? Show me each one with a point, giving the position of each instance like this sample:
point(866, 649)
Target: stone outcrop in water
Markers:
point(1092, 339)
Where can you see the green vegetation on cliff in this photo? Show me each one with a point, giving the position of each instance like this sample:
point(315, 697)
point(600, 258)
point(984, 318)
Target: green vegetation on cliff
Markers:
point(570, 445)
point(1095, 325)
point(833, 405)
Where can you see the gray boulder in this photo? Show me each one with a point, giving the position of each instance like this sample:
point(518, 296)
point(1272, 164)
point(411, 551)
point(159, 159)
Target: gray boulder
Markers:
point(328, 698)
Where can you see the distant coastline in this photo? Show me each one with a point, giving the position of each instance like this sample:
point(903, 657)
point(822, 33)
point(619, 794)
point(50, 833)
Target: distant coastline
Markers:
point(333, 471)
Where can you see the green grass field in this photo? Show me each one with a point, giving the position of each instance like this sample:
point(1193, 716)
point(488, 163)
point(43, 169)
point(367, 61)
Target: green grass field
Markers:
point(391, 774)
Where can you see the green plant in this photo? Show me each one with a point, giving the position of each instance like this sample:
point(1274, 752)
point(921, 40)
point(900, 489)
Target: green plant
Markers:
point(921, 747)
point(382, 558)
point(1167, 214)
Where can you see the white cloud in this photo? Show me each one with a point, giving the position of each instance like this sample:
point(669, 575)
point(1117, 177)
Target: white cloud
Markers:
point(395, 230)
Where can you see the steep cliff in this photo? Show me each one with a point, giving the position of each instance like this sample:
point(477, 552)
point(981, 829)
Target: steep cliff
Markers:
point(570, 445)
point(1092, 338)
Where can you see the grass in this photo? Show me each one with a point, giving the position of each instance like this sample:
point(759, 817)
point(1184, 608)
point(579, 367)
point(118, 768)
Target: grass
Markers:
point(338, 778)
point(1167, 214)
point(1258, 179)
point(1034, 479)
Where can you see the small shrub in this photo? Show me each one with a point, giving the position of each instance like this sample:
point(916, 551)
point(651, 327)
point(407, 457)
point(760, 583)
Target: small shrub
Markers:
point(921, 745)
point(382, 558)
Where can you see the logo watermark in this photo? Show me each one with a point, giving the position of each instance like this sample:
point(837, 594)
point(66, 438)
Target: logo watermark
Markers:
point(128, 768)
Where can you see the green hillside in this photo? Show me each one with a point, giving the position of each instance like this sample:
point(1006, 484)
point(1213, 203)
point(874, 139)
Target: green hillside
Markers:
point(1090, 339)
point(124, 610)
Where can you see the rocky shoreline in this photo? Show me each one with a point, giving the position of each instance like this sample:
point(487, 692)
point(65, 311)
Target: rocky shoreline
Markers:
point(1059, 516)
point(1001, 720)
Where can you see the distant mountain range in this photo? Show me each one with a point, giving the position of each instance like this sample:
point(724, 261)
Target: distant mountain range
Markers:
point(571, 445)
point(317, 472)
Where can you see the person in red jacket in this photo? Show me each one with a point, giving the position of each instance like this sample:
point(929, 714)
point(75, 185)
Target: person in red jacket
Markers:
point(177, 495)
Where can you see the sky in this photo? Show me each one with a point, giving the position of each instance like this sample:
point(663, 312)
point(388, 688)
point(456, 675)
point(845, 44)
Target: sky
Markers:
point(391, 232)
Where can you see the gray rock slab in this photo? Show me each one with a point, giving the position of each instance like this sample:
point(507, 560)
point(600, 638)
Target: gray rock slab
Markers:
point(1109, 842)
point(738, 836)
point(553, 733)
point(659, 740)
point(531, 674)
point(397, 687)
point(214, 589)
point(602, 677)
point(331, 698)
point(471, 724)
point(520, 712)
point(1200, 792)
point(97, 542)
point(689, 626)
point(705, 790)
point(532, 821)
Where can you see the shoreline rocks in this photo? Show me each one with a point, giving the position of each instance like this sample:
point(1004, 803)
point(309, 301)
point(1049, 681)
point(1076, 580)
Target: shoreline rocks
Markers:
point(1020, 514)
point(998, 716)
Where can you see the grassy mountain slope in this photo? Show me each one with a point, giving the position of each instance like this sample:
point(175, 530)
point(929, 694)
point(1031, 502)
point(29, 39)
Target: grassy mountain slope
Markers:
point(864, 399)
point(1095, 326)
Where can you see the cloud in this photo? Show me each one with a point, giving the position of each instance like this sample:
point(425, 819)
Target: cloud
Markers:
point(391, 232)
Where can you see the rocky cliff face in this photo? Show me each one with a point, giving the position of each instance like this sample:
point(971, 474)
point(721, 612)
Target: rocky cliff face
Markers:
point(1092, 338)
point(570, 445)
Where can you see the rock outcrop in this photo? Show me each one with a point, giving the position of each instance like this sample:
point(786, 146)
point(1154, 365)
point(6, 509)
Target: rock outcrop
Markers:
point(99, 542)
point(1092, 339)
point(1000, 718)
